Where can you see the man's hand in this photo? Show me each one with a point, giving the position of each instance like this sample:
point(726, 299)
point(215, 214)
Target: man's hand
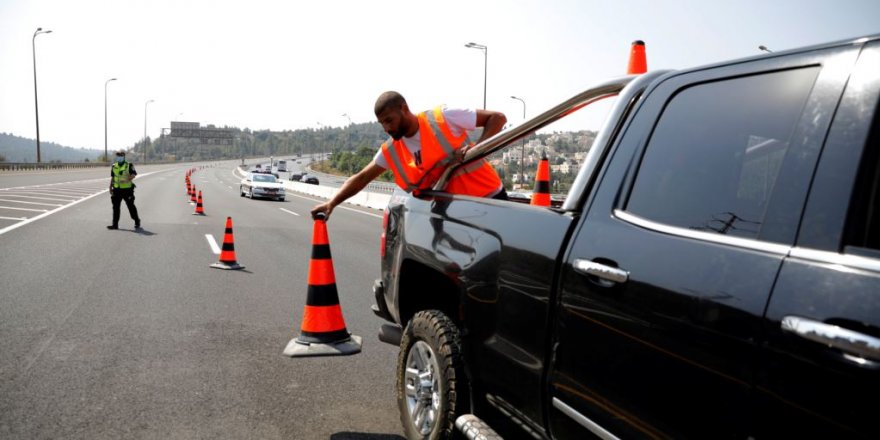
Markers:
point(461, 152)
point(325, 208)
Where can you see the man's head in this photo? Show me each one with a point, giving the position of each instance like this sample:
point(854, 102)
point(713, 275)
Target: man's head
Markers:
point(394, 115)
point(120, 156)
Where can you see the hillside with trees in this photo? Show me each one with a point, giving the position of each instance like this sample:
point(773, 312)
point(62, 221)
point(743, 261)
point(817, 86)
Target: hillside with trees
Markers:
point(18, 149)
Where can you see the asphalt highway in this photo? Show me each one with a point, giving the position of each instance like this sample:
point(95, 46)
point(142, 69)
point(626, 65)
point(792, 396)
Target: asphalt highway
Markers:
point(130, 334)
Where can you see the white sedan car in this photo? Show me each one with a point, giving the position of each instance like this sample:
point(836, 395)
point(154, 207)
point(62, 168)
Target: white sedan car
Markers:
point(261, 185)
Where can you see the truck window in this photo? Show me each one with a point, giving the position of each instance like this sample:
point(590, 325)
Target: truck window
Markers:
point(715, 153)
point(863, 223)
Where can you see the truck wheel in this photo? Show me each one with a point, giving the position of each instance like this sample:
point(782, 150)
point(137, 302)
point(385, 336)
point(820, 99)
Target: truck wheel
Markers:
point(431, 385)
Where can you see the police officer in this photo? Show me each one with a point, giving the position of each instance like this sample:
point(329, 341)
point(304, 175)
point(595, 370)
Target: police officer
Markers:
point(121, 188)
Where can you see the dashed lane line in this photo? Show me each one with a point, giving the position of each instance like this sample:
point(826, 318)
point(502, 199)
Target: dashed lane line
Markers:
point(213, 244)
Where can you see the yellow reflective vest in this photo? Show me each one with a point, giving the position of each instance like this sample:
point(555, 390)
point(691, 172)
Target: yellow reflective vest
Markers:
point(121, 175)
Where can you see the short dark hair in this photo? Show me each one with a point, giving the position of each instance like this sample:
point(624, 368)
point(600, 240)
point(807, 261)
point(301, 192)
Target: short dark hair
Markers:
point(388, 100)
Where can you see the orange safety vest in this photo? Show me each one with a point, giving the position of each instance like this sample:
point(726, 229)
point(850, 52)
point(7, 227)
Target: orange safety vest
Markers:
point(438, 151)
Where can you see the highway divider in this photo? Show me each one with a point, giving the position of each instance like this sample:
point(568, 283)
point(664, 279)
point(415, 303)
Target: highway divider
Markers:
point(365, 198)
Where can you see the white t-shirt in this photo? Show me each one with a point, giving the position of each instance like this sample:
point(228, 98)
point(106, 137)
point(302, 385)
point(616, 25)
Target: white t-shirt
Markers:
point(459, 121)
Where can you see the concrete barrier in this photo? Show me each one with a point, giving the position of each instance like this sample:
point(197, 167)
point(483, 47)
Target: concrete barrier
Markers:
point(365, 198)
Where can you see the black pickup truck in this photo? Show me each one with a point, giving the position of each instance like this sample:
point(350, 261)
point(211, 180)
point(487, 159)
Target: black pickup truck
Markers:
point(714, 272)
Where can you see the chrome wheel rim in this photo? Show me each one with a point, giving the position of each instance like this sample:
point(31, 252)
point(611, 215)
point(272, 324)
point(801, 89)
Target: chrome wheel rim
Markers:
point(422, 387)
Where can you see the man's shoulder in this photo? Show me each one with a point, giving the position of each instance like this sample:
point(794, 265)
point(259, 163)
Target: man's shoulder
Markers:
point(464, 118)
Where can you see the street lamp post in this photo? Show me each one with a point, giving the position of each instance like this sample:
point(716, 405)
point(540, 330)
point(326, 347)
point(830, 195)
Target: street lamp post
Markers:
point(36, 105)
point(145, 129)
point(485, 50)
point(522, 154)
point(106, 157)
point(764, 48)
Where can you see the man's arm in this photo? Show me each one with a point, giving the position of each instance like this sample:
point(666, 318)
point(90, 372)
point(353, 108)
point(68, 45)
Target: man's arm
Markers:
point(352, 186)
point(492, 123)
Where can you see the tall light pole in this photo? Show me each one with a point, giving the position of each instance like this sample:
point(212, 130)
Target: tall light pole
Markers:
point(347, 117)
point(106, 157)
point(522, 154)
point(36, 105)
point(485, 50)
point(764, 48)
point(145, 129)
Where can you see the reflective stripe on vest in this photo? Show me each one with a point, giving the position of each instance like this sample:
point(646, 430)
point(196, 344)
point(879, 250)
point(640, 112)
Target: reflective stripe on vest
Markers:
point(121, 175)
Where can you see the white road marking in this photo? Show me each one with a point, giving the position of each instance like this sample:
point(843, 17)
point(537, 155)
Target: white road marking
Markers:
point(38, 198)
point(69, 196)
point(289, 212)
point(341, 207)
point(45, 214)
point(30, 203)
point(48, 213)
point(360, 212)
point(213, 244)
point(13, 218)
point(23, 209)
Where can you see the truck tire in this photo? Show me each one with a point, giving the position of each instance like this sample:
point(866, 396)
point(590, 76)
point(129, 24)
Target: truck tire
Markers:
point(431, 384)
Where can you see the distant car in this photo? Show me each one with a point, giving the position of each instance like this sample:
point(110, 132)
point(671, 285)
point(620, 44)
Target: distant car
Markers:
point(261, 185)
point(282, 166)
point(295, 177)
point(308, 178)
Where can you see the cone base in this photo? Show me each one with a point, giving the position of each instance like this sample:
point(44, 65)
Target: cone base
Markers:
point(222, 265)
point(198, 213)
point(296, 348)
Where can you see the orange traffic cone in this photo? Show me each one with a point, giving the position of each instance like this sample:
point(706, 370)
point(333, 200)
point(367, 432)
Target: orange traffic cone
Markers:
point(199, 209)
point(227, 254)
point(323, 331)
point(188, 187)
point(638, 64)
point(192, 198)
point(541, 196)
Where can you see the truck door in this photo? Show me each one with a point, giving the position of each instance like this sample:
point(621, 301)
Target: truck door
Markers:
point(667, 278)
point(820, 370)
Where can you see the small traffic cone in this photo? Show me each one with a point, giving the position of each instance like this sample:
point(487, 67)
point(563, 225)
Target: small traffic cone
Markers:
point(541, 195)
point(323, 331)
point(638, 64)
point(192, 198)
point(199, 209)
point(188, 188)
point(227, 254)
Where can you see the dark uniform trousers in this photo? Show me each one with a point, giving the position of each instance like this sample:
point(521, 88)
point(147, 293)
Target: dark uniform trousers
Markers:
point(127, 194)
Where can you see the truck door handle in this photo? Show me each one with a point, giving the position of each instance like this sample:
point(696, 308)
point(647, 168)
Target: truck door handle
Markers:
point(850, 342)
point(601, 271)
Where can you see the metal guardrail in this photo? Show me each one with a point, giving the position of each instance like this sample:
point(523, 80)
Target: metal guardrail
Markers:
point(20, 166)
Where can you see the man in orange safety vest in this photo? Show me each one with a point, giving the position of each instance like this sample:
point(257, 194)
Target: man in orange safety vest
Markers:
point(420, 148)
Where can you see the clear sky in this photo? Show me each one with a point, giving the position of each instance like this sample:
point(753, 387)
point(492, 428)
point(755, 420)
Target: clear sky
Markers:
point(288, 64)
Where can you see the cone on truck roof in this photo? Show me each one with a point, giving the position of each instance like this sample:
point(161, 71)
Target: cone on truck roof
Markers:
point(638, 62)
